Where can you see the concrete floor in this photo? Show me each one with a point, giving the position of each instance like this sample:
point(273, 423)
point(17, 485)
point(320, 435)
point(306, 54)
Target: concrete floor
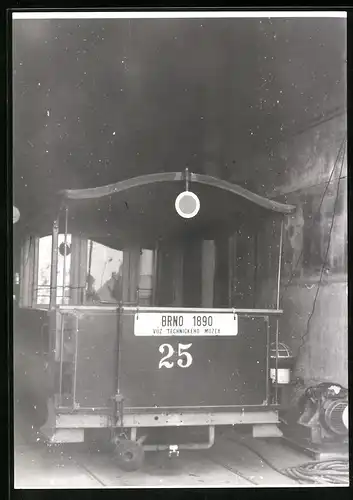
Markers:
point(227, 464)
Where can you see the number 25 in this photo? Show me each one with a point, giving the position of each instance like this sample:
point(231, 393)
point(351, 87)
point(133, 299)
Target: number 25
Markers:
point(185, 358)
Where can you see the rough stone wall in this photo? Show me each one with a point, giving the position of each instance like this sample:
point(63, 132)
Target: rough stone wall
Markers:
point(298, 172)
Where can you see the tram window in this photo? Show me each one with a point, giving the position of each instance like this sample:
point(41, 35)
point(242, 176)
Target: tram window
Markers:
point(166, 280)
point(104, 274)
point(44, 271)
point(145, 286)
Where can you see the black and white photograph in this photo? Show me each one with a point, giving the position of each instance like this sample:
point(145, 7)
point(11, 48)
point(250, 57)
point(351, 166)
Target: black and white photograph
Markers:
point(180, 282)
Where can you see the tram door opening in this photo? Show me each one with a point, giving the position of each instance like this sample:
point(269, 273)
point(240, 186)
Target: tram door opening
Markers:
point(207, 273)
point(186, 274)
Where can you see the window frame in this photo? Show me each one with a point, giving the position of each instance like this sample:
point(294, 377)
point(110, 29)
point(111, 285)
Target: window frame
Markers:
point(30, 264)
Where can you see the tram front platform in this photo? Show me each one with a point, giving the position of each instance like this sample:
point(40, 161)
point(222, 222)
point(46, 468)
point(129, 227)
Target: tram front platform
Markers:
point(234, 461)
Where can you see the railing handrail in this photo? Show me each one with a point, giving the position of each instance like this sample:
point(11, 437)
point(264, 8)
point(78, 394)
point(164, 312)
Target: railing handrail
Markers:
point(175, 309)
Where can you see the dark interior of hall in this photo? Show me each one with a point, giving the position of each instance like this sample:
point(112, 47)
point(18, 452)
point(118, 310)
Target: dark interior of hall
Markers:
point(98, 101)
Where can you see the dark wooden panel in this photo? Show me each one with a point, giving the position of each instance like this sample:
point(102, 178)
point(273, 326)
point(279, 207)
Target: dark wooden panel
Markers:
point(169, 289)
point(166, 280)
point(268, 247)
point(208, 272)
point(32, 385)
point(221, 286)
point(29, 329)
point(192, 273)
point(96, 359)
point(225, 371)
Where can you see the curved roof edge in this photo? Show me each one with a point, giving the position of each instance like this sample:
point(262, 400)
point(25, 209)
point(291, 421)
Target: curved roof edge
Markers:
point(117, 187)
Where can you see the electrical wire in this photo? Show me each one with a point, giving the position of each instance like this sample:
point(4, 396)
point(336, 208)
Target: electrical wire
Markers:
point(341, 149)
point(326, 472)
point(319, 472)
point(324, 261)
point(316, 185)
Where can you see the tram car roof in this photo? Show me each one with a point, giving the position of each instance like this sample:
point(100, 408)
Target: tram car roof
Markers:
point(142, 209)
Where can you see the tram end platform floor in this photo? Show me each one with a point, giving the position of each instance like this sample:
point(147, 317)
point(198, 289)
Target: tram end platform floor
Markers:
point(236, 460)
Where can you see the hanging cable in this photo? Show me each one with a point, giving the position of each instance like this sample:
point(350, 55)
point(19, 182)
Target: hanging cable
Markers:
point(325, 258)
point(326, 472)
point(318, 472)
point(341, 149)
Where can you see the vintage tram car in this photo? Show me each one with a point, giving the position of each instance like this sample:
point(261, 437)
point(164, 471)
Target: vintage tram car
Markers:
point(178, 333)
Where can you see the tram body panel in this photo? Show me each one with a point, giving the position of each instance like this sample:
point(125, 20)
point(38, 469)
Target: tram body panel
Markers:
point(102, 355)
point(94, 381)
point(32, 386)
point(216, 371)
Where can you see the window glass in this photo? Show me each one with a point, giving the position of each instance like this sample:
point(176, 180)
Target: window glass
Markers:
point(104, 274)
point(44, 269)
point(44, 260)
point(145, 286)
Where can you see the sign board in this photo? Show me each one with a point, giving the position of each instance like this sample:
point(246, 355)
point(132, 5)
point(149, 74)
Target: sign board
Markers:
point(189, 324)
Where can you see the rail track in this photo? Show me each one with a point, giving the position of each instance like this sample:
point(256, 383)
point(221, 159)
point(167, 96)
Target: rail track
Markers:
point(228, 463)
point(190, 469)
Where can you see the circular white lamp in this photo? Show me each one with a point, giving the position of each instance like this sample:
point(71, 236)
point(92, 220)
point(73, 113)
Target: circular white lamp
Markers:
point(187, 204)
point(15, 214)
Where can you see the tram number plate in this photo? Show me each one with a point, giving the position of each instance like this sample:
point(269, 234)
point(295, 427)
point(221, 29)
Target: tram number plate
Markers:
point(152, 324)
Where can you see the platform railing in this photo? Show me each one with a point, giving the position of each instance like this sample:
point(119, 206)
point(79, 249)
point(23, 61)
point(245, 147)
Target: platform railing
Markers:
point(134, 308)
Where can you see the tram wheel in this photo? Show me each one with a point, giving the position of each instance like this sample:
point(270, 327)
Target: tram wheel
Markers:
point(129, 455)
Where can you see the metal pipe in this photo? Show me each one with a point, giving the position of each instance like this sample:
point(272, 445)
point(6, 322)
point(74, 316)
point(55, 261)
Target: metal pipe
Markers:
point(34, 280)
point(250, 312)
point(155, 273)
point(74, 382)
point(133, 433)
point(118, 408)
point(277, 305)
point(267, 323)
point(173, 310)
point(209, 310)
point(90, 256)
point(185, 446)
point(61, 357)
point(88, 285)
point(276, 380)
point(279, 266)
point(146, 410)
point(186, 179)
point(90, 410)
point(256, 257)
point(54, 264)
point(65, 249)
